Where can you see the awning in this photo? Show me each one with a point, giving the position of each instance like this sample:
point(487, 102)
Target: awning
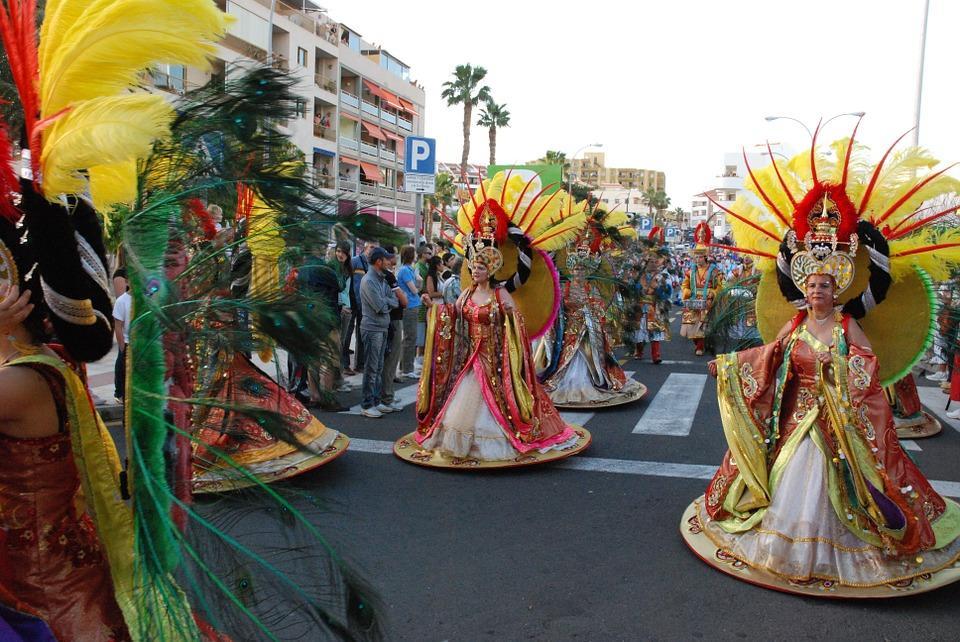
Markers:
point(408, 106)
point(373, 89)
point(371, 171)
point(344, 114)
point(349, 161)
point(373, 130)
point(392, 136)
point(391, 100)
point(323, 152)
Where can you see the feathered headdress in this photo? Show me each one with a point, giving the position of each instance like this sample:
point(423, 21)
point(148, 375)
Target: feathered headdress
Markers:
point(865, 225)
point(532, 221)
point(606, 231)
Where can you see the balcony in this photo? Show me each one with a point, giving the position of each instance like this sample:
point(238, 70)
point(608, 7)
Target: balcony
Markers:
point(323, 182)
point(368, 149)
point(347, 185)
point(369, 108)
point(349, 99)
point(389, 117)
point(387, 155)
point(387, 192)
point(324, 83)
point(326, 133)
point(369, 189)
point(349, 143)
point(404, 124)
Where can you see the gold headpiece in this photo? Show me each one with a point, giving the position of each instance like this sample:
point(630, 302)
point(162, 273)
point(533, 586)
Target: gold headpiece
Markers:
point(482, 244)
point(820, 253)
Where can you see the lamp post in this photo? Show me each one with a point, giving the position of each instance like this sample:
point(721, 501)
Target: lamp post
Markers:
point(923, 50)
point(569, 177)
point(858, 114)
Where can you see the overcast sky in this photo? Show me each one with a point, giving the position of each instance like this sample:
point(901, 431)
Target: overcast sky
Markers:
point(672, 85)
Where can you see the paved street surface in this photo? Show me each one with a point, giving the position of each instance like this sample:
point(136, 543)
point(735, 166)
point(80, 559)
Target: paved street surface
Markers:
point(587, 549)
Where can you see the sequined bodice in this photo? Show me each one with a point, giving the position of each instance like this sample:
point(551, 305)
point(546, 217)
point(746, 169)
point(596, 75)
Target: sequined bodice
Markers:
point(478, 318)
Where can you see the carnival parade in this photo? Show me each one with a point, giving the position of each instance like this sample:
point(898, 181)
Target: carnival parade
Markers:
point(270, 369)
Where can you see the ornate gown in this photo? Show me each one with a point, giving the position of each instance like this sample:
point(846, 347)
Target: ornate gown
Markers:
point(814, 484)
point(479, 395)
point(54, 573)
point(583, 368)
point(699, 289)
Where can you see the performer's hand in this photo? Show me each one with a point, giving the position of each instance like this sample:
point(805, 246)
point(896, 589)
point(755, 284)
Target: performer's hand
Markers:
point(14, 307)
point(824, 358)
point(712, 368)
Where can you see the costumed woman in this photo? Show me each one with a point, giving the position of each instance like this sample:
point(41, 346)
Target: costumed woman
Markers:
point(815, 494)
point(480, 404)
point(700, 285)
point(582, 369)
point(653, 292)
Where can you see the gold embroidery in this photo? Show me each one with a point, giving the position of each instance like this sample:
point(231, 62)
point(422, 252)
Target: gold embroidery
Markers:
point(717, 490)
point(748, 382)
point(861, 377)
point(805, 403)
point(867, 424)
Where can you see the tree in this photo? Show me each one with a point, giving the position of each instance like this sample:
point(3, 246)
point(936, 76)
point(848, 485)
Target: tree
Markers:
point(657, 202)
point(465, 89)
point(556, 158)
point(679, 215)
point(442, 198)
point(494, 116)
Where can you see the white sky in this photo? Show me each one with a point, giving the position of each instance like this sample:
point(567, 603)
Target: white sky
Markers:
point(672, 85)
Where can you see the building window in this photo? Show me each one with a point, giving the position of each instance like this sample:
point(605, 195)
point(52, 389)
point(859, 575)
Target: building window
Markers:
point(301, 108)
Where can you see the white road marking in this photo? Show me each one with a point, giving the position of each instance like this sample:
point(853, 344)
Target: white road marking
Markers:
point(672, 410)
point(681, 362)
point(581, 418)
point(935, 401)
point(909, 444)
point(626, 466)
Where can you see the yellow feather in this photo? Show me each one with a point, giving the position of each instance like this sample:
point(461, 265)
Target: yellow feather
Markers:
point(102, 50)
point(99, 132)
point(749, 238)
point(112, 184)
point(556, 236)
point(937, 263)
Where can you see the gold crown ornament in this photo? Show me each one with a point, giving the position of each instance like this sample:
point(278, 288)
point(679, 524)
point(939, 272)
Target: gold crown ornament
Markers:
point(482, 244)
point(821, 251)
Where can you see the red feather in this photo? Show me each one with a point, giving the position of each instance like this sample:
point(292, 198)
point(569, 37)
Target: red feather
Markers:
point(199, 212)
point(876, 174)
point(743, 219)
point(836, 193)
point(18, 30)
point(921, 223)
point(537, 215)
point(497, 210)
point(244, 201)
point(928, 248)
point(763, 194)
point(813, 153)
point(913, 190)
point(846, 161)
point(783, 184)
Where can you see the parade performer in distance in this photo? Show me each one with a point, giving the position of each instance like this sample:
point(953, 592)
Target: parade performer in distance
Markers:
point(582, 370)
point(653, 292)
point(479, 403)
point(815, 495)
point(700, 285)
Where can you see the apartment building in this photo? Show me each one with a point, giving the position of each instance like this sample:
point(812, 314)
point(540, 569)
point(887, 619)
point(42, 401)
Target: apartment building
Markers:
point(592, 170)
point(358, 100)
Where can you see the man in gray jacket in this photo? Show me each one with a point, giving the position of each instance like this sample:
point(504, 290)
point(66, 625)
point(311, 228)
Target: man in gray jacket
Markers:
point(378, 295)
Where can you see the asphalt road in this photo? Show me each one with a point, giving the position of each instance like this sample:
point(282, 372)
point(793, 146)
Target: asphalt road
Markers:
point(589, 550)
point(585, 549)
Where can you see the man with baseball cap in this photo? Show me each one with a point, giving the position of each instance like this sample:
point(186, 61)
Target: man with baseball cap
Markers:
point(378, 295)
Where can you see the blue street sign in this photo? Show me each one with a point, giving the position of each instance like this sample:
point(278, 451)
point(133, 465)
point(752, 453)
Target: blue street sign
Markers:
point(673, 231)
point(645, 224)
point(421, 155)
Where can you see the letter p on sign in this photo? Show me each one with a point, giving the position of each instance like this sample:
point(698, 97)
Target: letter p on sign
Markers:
point(421, 155)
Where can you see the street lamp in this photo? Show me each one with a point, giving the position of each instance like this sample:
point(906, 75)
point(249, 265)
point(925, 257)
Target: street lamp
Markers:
point(858, 114)
point(573, 158)
point(923, 51)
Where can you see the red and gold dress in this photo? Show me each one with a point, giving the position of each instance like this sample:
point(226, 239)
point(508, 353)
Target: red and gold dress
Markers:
point(479, 395)
point(815, 485)
point(52, 564)
point(700, 286)
point(585, 371)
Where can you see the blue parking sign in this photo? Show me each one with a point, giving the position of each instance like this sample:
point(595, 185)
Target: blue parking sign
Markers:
point(421, 155)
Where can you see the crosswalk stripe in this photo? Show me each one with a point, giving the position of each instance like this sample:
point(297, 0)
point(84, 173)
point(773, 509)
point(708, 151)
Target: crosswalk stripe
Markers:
point(672, 410)
point(626, 466)
point(909, 444)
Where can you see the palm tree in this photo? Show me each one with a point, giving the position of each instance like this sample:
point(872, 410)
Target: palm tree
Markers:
point(441, 199)
point(556, 158)
point(656, 201)
point(465, 89)
point(492, 117)
point(679, 216)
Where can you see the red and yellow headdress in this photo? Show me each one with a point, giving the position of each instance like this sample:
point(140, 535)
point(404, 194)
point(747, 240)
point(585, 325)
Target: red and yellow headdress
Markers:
point(868, 226)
